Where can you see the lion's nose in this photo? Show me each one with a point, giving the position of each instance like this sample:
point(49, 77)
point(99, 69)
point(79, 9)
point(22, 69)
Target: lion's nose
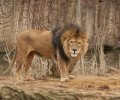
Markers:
point(74, 50)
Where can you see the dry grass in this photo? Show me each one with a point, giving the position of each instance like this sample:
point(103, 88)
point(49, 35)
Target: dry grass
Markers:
point(92, 65)
point(95, 62)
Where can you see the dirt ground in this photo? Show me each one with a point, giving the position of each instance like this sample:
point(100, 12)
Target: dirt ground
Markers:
point(80, 88)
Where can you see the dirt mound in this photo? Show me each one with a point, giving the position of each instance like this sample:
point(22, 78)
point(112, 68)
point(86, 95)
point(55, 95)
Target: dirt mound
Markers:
point(82, 87)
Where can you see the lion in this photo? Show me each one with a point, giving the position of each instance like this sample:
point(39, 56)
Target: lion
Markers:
point(64, 44)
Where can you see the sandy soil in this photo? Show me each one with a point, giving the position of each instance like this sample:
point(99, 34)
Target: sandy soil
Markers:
point(93, 86)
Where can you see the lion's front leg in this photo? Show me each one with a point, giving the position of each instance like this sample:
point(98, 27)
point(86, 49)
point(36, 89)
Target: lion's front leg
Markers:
point(62, 67)
point(70, 68)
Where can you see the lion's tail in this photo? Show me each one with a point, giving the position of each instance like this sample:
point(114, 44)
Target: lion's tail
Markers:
point(11, 65)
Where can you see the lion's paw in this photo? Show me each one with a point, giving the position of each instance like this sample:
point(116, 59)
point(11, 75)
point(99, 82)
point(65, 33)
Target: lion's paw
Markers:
point(71, 76)
point(28, 78)
point(66, 79)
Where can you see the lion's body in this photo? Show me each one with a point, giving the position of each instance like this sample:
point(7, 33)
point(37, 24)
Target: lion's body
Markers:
point(66, 45)
point(35, 40)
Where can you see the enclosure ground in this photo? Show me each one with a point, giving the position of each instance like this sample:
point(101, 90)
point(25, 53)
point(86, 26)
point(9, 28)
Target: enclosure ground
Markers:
point(80, 88)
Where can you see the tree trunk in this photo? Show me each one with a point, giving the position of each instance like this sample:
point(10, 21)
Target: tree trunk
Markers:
point(99, 19)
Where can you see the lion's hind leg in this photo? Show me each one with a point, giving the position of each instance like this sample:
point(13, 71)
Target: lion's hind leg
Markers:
point(19, 64)
point(28, 62)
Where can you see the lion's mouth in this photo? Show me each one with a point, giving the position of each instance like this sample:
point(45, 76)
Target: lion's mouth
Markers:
point(74, 54)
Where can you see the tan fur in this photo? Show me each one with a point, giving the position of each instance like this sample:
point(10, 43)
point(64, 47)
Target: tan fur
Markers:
point(83, 47)
point(31, 41)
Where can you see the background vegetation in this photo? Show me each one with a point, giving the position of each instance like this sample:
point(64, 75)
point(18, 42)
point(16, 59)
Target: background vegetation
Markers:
point(99, 18)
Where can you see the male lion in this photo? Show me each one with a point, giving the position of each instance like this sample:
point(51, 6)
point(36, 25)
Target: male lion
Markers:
point(65, 44)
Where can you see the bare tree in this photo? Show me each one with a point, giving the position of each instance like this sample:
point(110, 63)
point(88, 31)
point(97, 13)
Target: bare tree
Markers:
point(97, 17)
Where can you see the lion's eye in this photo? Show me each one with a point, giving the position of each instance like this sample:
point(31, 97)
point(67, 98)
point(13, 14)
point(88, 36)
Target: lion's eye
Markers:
point(71, 41)
point(79, 42)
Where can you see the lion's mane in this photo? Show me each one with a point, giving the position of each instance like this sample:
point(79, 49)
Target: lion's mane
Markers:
point(58, 32)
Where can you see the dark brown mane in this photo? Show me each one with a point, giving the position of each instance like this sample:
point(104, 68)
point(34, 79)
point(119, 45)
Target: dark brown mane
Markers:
point(58, 32)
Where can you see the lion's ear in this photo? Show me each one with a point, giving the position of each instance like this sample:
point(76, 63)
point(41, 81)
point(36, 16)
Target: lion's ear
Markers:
point(84, 35)
point(66, 35)
point(85, 40)
point(64, 38)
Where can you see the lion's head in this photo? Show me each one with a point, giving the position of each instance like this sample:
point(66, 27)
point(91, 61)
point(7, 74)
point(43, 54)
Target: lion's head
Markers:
point(73, 46)
point(70, 41)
